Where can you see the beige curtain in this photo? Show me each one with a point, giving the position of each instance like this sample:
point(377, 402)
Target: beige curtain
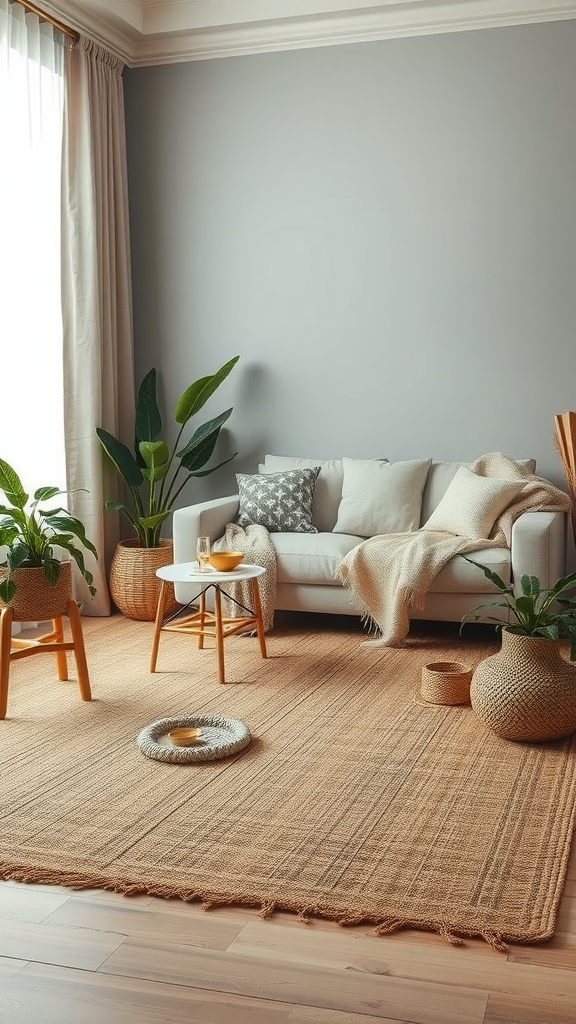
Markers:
point(97, 299)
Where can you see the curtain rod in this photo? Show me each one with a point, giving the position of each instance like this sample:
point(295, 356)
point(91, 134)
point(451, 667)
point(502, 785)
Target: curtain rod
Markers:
point(70, 32)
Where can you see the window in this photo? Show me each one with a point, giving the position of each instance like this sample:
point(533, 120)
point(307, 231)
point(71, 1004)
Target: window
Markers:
point(31, 130)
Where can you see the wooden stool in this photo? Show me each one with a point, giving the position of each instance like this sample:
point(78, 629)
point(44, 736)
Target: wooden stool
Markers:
point(12, 648)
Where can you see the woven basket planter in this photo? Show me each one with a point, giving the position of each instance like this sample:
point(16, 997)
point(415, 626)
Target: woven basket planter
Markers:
point(527, 691)
point(35, 599)
point(134, 585)
point(446, 682)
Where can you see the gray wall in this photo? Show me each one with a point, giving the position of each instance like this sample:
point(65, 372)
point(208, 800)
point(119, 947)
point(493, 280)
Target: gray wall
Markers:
point(385, 232)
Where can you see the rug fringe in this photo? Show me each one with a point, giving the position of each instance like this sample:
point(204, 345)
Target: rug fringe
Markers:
point(267, 907)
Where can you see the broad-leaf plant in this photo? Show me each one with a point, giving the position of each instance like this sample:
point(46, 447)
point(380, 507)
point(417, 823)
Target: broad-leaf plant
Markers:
point(154, 473)
point(31, 532)
point(535, 611)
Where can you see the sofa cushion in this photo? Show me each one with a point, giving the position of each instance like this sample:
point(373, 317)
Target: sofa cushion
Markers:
point(440, 475)
point(472, 504)
point(381, 497)
point(303, 558)
point(279, 501)
point(459, 577)
point(328, 490)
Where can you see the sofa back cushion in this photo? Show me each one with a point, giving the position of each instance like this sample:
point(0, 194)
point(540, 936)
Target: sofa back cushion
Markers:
point(328, 490)
point(381, 497)
point(439, 477)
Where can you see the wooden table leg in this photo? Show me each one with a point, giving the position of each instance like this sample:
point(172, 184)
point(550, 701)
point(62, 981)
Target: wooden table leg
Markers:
point(79, 651)
point(202, 620)
point(61, 662)
point(6, 618)
point(219, 634)
point(162, 602)
point(259, 619)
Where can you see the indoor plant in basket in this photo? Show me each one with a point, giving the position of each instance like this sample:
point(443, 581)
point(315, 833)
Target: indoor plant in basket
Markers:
point(33, 581)
point(154, 474)
point(527, 691)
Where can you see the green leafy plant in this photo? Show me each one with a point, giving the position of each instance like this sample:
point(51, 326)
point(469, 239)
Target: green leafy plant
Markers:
point(154, 473)
point(31, 532)
point(535, 611)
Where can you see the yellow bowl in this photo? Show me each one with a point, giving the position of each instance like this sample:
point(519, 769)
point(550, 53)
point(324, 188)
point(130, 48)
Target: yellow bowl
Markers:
point(225, 561)
point(185, 737)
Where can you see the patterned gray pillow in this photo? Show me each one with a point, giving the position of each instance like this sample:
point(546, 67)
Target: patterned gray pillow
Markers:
point(282, 502)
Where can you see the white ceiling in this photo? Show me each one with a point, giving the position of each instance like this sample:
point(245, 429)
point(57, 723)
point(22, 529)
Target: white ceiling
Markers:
point(147, 32)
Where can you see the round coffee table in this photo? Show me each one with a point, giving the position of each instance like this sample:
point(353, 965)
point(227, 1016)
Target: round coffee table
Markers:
point(203, 623)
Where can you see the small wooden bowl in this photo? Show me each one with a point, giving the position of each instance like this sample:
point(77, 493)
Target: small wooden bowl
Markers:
point(225, 561)
point(185, 737)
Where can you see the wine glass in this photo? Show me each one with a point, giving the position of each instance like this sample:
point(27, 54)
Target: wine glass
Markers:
point(202, 553)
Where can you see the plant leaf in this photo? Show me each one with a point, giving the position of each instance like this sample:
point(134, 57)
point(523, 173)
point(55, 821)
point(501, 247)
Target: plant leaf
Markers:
point(530, 586)
point(69, 524)
point(11, 485)
point(148, 422)
point(45, 493)
point(156, 459)
point(492, 576)
point(122, 458)
point(197, 394)
point(150, 522)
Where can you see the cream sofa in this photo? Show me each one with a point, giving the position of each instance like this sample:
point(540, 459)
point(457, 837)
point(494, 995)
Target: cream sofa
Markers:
point(306, 562)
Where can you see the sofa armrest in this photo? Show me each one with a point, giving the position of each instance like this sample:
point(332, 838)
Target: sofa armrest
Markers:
point(538, 547)
point(206, 519)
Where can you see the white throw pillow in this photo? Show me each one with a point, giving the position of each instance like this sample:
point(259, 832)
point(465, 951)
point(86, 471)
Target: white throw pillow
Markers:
point(472, 504)
point(381, 497)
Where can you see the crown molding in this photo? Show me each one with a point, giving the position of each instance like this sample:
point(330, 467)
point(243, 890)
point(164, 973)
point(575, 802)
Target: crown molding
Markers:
point(150, 32)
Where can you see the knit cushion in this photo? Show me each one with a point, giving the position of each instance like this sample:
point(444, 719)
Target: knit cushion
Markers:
point(472, 504)
point(381, 497)
point(281, 502)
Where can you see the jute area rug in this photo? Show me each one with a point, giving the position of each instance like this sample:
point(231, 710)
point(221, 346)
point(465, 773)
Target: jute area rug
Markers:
point(354, 802)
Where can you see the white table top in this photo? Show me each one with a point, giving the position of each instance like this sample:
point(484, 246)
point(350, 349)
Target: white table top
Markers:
point(187, 572)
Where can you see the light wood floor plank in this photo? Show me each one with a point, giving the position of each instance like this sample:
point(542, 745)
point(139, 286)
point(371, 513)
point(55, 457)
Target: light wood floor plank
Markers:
point(351, 991)
point(198, 929)
point(61, 996)
point(314, 1015)
point(448, 965)
point(512, 1010)
point(21, 903)
point(68, 947)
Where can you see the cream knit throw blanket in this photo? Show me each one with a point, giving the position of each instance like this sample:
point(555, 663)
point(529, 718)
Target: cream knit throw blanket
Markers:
point(255, 544)
point(391, 573)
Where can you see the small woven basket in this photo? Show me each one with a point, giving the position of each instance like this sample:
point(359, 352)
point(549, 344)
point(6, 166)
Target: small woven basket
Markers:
point(446, 682)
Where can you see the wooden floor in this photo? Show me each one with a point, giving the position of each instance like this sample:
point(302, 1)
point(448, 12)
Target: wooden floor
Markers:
point(95, 957)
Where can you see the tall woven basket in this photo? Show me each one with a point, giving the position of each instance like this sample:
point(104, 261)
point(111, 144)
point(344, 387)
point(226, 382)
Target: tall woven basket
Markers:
point(134, 585)
point(36, 600)
point(527, 691)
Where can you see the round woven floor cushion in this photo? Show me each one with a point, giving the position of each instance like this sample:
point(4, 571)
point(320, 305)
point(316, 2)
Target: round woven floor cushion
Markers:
point(220, 737)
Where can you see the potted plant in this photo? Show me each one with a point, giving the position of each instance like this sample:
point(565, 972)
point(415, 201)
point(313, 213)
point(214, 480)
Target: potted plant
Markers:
point(527, 691)
point(154, 475)
point(33, 581)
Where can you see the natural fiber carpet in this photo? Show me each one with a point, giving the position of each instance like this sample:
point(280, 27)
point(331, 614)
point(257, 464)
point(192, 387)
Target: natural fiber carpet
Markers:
point(353, 802)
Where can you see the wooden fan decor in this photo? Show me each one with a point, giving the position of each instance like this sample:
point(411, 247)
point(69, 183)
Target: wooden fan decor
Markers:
point(566, 444)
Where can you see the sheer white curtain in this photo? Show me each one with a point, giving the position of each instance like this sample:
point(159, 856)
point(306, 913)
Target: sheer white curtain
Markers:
point(31, 123)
